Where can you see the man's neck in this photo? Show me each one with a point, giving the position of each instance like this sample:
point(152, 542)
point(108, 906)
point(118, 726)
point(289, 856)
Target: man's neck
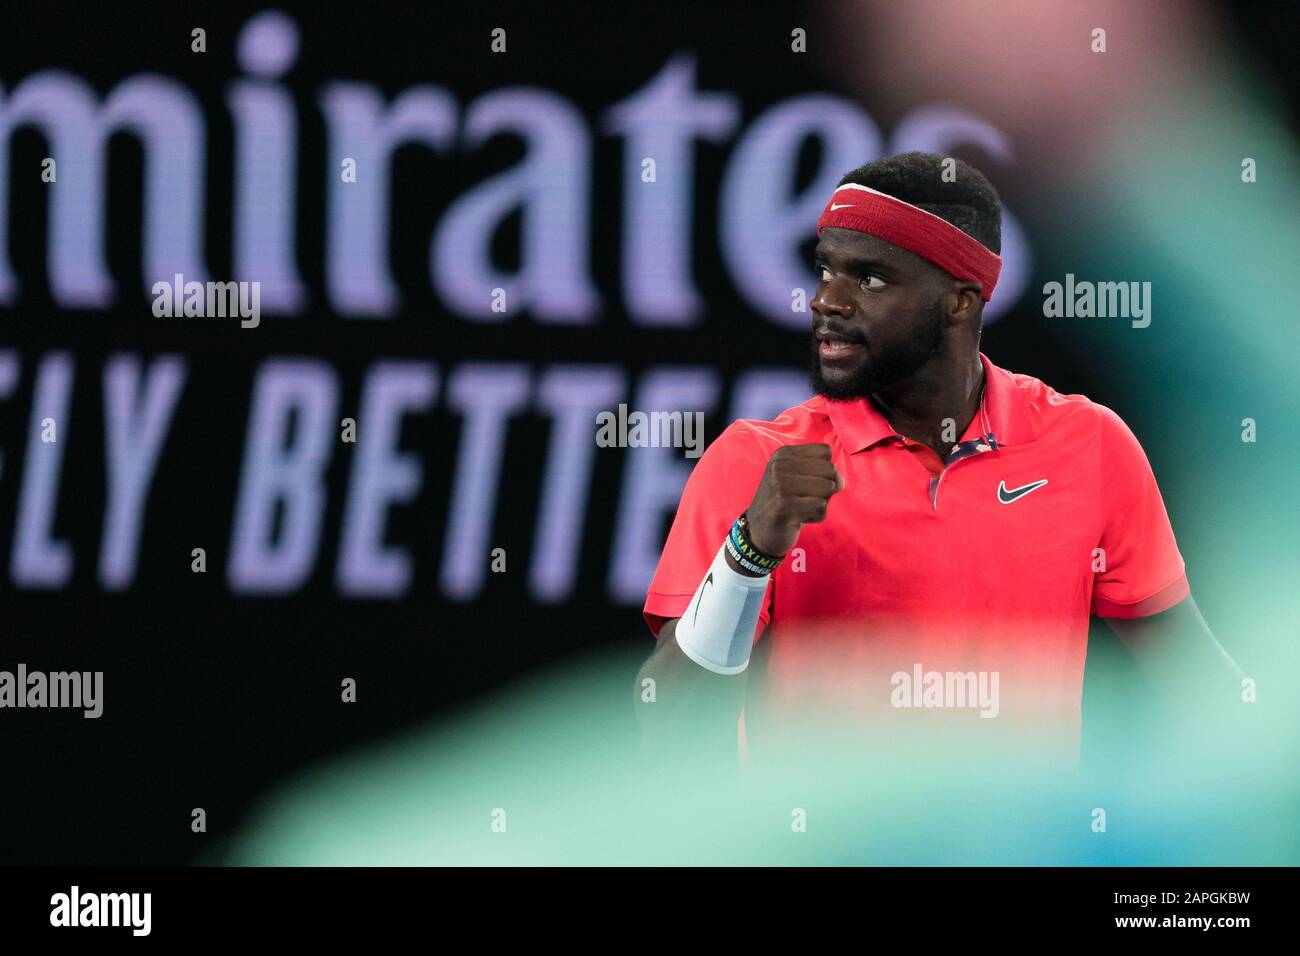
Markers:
point(937, 403)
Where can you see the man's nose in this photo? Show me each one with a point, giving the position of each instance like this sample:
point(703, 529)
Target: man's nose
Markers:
point(831, 301)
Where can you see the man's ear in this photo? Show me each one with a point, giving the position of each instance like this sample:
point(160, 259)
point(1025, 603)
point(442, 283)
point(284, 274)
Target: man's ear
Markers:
point(966, 299)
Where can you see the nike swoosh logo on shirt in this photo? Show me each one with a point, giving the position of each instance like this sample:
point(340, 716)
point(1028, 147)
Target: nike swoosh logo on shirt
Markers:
point(840, 206)
point(707, 582)
point(1007, 495)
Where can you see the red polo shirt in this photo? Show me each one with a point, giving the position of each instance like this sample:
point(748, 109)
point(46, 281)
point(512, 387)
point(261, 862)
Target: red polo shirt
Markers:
point(1045, 511)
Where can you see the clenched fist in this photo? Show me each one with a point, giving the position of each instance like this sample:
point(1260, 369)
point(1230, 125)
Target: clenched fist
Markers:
point(796, 487)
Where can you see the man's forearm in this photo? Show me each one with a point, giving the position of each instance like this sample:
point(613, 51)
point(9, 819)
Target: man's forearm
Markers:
point(682, 705)
point(691, 690)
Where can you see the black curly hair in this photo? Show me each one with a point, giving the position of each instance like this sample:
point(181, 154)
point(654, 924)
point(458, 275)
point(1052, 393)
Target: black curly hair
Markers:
point(970, 203)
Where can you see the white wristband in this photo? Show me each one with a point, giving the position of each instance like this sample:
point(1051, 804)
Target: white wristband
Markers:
point(717, 629)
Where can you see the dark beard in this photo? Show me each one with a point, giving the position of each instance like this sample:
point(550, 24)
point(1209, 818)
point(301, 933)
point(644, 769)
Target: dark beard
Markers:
point(879, 371)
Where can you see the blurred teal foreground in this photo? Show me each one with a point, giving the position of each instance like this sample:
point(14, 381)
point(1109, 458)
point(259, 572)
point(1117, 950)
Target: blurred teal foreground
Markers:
point(550, 774)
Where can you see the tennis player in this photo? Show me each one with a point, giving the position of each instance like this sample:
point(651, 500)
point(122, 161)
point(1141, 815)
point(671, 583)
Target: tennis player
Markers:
point(927, 513)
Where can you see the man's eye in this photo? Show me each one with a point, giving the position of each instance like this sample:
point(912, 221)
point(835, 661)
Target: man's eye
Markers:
point(872, 283)
point(824, 274)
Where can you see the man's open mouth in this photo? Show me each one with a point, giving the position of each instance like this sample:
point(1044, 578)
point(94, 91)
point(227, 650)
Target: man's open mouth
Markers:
point(833, 347)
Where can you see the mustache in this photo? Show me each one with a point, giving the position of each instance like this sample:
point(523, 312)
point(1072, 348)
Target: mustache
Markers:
point(837, 328)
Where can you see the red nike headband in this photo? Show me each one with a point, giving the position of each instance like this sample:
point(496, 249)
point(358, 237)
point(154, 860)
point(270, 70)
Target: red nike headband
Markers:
point(904, 225)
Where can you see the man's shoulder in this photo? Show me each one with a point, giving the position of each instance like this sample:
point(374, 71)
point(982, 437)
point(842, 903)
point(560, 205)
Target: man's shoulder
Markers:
point(1050, 409)
point(805, 422)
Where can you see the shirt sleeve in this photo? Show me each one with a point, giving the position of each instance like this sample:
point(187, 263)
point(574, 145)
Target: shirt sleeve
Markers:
point(1144, 572)
point(720, 487)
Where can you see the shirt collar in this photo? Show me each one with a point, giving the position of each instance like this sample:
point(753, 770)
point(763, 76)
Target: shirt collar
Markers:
point(859, 424)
